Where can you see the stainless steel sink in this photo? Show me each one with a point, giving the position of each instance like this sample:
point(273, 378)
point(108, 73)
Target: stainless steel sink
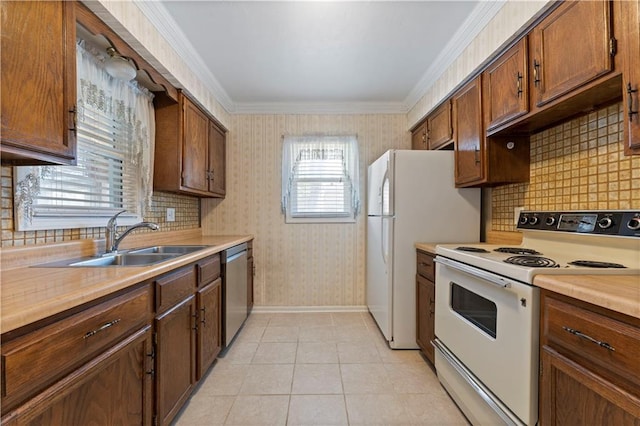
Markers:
point(137, 257)
point(126, 259)
point(168, 249)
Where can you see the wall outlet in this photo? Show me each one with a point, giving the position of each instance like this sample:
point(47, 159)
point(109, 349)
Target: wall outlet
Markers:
point(516, 214)
point(171, 214)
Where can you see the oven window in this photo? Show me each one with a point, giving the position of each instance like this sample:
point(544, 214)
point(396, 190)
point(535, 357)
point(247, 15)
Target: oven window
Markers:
point(476, 309)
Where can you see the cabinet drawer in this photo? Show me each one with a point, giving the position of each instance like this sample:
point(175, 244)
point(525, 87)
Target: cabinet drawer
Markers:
point(425, 265)
point(32, 361)
point(174, 287)
point(610, 344)
point(208, 269)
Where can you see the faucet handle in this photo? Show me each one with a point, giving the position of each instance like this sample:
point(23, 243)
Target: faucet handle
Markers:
point(112, 221)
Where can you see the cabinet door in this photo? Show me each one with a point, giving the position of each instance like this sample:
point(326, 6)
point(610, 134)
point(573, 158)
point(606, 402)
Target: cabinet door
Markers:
point(209, 325)
point(469, 141)
point(439, 131)
point(195, 147)
point(111, 389)
point(216, 173)
point(419, 137)
point(505, 87)
point(38, 83)
point(425, 304)
point(175, 359)
point(628, 18)
point(572, 395)
point(571, 48)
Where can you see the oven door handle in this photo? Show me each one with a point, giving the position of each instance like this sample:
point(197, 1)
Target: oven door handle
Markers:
point(474, 272)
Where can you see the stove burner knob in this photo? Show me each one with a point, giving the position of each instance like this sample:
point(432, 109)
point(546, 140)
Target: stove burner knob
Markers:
point(634, 224)
point(533, 220)
point(524, 219)
point(550, 221)
point(605, 223)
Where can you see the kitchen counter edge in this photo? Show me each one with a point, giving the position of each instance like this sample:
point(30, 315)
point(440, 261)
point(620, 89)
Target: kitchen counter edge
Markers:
point(620, 293)
point(31, 294)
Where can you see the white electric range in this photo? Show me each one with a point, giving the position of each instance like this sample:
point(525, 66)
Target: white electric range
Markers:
point(487, 309)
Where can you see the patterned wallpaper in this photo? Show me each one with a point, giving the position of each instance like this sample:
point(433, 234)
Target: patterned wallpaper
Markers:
point(296, 264)
point(187, 217)
point(577, 165)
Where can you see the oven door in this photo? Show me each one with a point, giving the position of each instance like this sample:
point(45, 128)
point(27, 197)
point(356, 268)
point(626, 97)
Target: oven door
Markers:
point(490, 325)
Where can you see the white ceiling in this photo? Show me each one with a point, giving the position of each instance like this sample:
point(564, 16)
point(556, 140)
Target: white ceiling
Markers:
point(319, 56)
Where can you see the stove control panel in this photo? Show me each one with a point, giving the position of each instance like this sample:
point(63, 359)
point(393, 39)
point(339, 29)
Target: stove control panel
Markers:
point(624, 223)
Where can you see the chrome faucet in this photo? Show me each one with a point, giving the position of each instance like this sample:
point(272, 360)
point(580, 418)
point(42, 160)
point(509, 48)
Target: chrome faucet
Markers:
point(114, 239)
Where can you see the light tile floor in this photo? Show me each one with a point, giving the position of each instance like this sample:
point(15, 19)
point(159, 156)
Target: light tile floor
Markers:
point(318, 369)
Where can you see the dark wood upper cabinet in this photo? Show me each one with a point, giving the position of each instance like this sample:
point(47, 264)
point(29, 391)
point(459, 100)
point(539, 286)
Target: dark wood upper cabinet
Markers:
point(571, 47)
point(482, 160)
point(38, 82)
point(505, 86)
point(439, 127)
point(190, 149)
point(627, 20)
point(419, 137)
point(217, 152)
point(468, 133)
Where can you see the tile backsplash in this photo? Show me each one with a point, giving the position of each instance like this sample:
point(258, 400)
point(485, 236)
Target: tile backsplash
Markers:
point(187, 217)
point(578, 165)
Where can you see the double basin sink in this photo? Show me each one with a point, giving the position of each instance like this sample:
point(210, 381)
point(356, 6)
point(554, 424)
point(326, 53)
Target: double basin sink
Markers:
point(136, 257)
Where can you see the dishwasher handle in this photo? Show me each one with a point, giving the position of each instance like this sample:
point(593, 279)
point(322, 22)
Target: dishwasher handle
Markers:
point(230, 254)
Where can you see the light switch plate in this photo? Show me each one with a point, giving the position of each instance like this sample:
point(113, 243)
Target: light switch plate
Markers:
point(171, 214)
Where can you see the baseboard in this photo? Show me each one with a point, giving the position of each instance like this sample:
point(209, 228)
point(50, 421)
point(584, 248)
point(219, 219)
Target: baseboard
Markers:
point(306, 309)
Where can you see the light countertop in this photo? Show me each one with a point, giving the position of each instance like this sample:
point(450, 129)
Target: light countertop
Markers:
point(427, 247)
point(619, 293)
point(30, 294)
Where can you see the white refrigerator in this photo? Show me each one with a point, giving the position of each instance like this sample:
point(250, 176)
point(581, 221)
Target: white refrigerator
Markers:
point(411, 199)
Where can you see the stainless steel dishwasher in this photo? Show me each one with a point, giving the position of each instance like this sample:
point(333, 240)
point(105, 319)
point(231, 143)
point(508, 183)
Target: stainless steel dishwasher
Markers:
point(234, 291)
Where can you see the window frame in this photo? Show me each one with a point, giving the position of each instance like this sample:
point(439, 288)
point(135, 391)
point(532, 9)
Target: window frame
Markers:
point(351, 191)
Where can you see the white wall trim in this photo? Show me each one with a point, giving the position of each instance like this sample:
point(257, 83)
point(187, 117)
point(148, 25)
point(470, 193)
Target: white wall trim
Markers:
point(168, 28)
point(475, 22)
point(307, 309)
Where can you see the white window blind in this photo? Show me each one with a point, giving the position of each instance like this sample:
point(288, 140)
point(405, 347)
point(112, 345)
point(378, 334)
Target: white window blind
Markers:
point(113, 136)
point(320, 178)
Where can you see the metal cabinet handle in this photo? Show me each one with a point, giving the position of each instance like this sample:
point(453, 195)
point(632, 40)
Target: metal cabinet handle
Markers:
point(536, 73)
point(74, 114)
point(589, 338)
point(476, 155)
point(204, 313)
point(101, 328)
point(630, 92)
point(519, 84)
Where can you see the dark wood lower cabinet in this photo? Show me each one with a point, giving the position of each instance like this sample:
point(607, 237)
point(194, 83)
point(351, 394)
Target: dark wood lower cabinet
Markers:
point(573, 395)
point(175, 358)
point(589, 369)
point(114, 388)
point(425, 331)
point(209, 325)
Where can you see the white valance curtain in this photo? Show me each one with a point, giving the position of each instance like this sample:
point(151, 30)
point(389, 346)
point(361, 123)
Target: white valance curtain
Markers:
point(320, 176)
point(115, 151)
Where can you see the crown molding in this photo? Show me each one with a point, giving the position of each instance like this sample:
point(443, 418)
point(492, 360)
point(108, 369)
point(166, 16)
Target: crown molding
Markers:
point(475, 22)
point(320, 108)
point(170, 31)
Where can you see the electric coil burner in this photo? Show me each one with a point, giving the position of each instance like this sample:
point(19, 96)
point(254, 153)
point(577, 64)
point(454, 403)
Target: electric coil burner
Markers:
point(473, 249)
point(487, 305)
point(532, 261)
point(593, 264)
point(517, 250)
